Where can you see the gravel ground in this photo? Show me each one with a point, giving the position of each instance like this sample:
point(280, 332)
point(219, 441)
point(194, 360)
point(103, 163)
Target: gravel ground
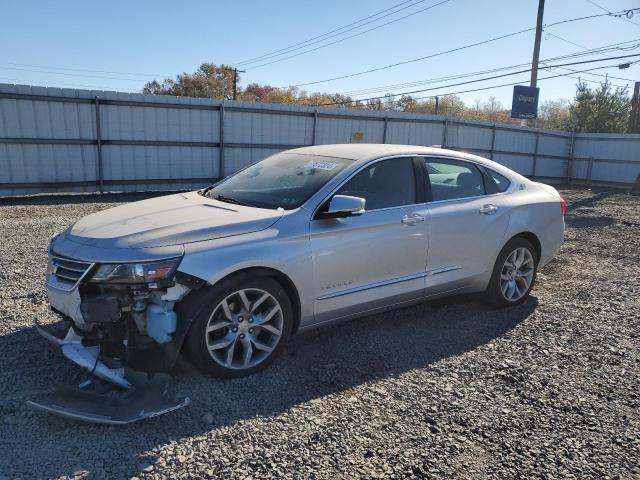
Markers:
point(451, 389)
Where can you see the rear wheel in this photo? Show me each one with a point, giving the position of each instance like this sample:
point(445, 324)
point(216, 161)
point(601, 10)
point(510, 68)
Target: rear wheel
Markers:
point(514, 273)
point(242, 328)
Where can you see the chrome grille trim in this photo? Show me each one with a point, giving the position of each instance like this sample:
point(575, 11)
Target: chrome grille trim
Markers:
point(68, 271)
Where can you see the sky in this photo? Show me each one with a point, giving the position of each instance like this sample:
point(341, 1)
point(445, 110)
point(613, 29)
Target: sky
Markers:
point(120, 45)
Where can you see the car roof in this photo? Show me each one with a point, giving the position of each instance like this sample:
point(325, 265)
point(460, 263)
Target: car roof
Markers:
point(363, 152)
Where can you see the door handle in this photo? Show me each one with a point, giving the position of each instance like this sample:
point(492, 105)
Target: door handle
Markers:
point(407, 220)
point(488, 209)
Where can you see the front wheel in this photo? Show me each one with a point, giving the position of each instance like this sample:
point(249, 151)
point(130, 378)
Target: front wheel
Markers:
point(514, 273)
point(244, 324)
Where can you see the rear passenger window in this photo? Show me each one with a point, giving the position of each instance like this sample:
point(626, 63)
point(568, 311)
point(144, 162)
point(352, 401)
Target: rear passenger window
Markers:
point(502, 182)
point(452, 179)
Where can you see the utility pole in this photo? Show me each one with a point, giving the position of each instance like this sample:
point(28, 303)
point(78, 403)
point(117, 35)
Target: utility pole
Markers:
point(437, 105)
point(235, 81)
point(634, 120)
point(536, 49)
point(536, 46)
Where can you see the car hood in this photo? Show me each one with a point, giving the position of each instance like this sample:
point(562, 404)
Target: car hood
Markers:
point(169, 220)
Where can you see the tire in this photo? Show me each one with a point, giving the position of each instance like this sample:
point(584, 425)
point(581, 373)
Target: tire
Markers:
point(229, 326)
point(514, 287)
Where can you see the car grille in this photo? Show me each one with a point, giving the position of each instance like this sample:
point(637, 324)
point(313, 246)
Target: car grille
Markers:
point(68, 270)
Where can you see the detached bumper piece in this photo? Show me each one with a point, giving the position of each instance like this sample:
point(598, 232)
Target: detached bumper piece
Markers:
point(115, 396)
point(97, 402)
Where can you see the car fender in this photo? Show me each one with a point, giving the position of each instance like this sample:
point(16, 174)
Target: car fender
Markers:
point(214, 260)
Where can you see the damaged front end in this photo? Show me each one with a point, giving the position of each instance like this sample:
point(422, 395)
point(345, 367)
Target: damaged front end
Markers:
point(124, 330)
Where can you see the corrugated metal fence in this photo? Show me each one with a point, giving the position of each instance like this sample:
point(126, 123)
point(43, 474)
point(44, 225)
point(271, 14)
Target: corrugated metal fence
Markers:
point(65, 140)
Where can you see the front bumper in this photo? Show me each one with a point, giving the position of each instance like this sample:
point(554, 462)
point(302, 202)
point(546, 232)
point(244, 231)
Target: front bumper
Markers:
point(63, 300)
point(86, 357)
point(117, 396)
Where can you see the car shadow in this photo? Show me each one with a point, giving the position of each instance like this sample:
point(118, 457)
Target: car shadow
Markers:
point(316, 364)
point(590, 201)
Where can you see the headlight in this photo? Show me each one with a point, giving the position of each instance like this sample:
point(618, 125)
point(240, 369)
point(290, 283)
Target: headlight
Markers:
point(135, 272)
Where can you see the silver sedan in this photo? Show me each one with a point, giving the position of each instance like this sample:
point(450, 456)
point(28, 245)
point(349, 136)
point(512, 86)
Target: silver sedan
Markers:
point(303, 238)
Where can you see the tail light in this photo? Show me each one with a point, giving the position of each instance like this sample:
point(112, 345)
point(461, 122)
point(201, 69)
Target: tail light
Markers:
point(563, 206)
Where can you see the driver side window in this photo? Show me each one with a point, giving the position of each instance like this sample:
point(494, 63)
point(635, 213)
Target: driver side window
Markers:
point(387, 183)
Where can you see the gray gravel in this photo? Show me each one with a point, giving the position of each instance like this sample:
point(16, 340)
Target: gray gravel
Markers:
point(452, 389)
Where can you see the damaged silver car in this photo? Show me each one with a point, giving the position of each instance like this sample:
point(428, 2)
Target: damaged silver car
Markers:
point(302, 238)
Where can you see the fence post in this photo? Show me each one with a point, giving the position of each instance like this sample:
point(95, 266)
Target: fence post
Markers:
point(572, 148)
point(315, 127)
point(384, 132)
point(535, 155)
point(589, 169)
point(493, 140)
point(444, 133)
point(96, 102)
point(221, 142)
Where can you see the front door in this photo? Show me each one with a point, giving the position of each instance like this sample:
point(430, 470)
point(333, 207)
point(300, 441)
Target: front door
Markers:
point(378, 258)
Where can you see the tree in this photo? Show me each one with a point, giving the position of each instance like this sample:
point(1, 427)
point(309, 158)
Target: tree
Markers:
point(602, 110)
point(209, 81)
point(553, 115)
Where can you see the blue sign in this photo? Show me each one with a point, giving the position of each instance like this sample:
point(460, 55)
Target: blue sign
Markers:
point(525, 102)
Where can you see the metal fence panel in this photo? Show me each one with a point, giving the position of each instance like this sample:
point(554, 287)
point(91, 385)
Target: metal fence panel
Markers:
point(55, 139)
point(349, 130)
point(250, 127)
point(407, 133)
point(520, 163)
point(614, 158)
point(515, 141)
point(469, 137)
point(547, 167)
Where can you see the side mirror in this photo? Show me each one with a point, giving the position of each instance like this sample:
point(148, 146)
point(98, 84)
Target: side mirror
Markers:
point(342, 206)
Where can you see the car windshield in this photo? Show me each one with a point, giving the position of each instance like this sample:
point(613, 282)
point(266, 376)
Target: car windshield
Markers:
point(283, 180)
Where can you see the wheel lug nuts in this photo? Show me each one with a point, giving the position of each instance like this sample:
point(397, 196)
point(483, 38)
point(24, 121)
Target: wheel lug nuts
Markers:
point(251, 330)
point(234, 329)
point(240, 319)
point(242, 335)
point(250, 319)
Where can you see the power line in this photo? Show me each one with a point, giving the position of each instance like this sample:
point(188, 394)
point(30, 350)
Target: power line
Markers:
point(585, 49)
point(351, 36)
point(571, 74)
point(601, 49)
point(49, 67)
point(609, 11)
point(491, 87)
point(452, 50)
point(304, 43)
point(480, 79)
point(549, 34)
point(121, 79)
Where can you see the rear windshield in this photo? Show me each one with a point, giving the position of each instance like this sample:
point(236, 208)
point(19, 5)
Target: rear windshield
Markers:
point(285, 180)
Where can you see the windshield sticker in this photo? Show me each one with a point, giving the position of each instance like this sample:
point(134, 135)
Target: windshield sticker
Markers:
point(321, 165)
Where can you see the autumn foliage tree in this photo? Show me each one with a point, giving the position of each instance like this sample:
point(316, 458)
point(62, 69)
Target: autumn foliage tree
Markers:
point(209, 81)
point(601, 110)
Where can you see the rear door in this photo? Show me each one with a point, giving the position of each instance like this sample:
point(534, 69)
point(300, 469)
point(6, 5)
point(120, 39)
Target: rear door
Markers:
point(378, 258)
point(467, 222)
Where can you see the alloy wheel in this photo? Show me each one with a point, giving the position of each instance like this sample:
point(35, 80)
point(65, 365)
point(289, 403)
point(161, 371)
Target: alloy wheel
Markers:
point(517, 274)
point(244, 328)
